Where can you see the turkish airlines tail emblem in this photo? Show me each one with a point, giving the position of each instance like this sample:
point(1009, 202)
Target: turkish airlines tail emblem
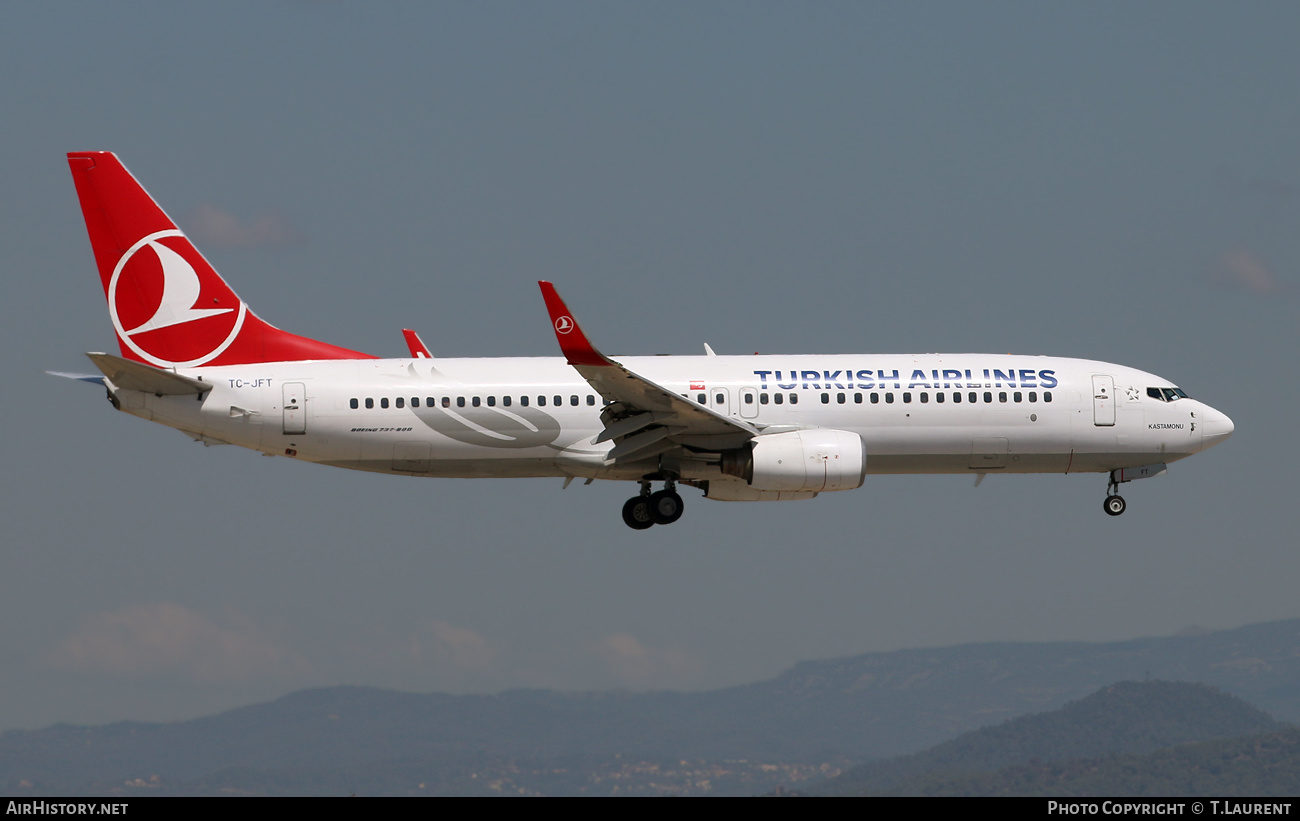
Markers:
point(180, 293)
point(169, 306)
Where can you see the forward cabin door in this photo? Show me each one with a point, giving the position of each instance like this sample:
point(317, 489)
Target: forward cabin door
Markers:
point(1103, 400)
point(295, 408)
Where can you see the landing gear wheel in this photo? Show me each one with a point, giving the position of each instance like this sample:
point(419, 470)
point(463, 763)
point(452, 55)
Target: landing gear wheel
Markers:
point(665, 507)
point(1115, 505)
point(636, 513)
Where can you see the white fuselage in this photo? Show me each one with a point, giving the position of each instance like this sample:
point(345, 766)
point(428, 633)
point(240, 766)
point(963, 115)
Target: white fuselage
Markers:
point(514, 417)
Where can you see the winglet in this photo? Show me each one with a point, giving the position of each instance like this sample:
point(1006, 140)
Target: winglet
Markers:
point(573, 342)
point(416, 345)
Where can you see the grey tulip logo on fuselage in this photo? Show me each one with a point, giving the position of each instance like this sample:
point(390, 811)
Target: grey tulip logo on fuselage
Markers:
point(537, 429)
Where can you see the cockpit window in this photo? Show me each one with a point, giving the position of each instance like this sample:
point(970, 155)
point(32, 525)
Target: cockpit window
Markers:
point(1167, 394)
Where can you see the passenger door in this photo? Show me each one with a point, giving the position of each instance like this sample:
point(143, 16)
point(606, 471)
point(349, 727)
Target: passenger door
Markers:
point(1103, 400)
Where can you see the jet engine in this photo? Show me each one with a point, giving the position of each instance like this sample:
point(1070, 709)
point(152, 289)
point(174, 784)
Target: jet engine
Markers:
point(800, 460)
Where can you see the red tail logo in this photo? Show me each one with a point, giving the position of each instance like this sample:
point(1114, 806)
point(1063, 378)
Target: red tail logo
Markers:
point(153, 297)
point(169, 306)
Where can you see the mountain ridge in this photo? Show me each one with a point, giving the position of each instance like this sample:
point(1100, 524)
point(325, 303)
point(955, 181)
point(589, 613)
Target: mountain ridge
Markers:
point(856, 708)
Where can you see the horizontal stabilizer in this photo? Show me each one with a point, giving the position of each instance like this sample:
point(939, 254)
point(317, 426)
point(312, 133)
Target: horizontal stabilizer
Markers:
point(80, 377)
point(137, 376)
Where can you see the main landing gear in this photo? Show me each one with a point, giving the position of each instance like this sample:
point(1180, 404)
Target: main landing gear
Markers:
point(646, 509)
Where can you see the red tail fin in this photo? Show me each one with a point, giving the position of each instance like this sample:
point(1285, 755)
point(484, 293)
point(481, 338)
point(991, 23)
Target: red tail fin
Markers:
point(169, 306)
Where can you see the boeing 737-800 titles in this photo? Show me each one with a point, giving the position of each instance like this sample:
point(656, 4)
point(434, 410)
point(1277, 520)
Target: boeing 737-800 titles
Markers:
point(193, 356)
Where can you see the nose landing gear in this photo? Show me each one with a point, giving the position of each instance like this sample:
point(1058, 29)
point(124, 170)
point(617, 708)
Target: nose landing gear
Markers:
point(1114, 504)
point(647, 509)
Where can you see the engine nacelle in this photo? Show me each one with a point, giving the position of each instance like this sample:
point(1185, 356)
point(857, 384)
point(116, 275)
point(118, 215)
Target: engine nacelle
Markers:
point(734, 490)
point(800, 460)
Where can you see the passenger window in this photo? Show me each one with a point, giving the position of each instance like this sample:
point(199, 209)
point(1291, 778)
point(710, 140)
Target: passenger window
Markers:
point(591, 400)
point(446, 401)
point(857, 399)
point(826, 398)
point(762, 399)
point(925, 398)
point(505, 401)
point(415, 401)
point(988, 396)
point(492, 401)
point(972, 397)
point(383, 402)
point(839, 397)
point(352, 403)
point(938, 397)
point(1047, 396)
point(557, 400)
point(460, 401)
point(476, 401)
point(1018, 396)
point(1033, 396)
point(794, 399)
point(1002, 396)
point(523, 400)
point(956, 397)
point(573, 400)
point(778, 398)
point(749, 398)
point(875, 399)
point(401, 401)
point(428, 401)
point(541, 401)
point(701, 398)
point(370, 403)
point(719, 399)
point(907, 397)
point(889, 398)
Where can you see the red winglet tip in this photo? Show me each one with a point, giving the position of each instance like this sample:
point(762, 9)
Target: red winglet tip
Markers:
point(573, 342)
point(416, 345)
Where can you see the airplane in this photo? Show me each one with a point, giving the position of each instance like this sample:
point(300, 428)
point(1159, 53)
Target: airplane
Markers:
point(194, 356)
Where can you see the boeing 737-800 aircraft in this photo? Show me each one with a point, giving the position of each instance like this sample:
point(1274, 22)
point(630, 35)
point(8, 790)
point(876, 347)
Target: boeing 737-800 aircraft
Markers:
point(740, 428)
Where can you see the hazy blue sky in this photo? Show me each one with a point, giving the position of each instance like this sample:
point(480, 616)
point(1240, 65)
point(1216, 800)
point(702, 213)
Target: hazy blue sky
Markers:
point(1115, 181)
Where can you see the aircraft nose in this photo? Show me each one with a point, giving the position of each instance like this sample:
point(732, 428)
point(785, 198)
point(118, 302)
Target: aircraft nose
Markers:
point(1215, 428)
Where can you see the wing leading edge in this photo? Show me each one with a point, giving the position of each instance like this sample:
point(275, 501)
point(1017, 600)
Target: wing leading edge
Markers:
point(642, 416)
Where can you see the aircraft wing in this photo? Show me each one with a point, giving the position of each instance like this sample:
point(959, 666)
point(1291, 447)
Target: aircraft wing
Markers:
point(645, 417)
